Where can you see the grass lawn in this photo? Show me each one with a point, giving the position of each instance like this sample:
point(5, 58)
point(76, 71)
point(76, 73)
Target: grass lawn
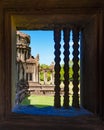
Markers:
point(41, 101)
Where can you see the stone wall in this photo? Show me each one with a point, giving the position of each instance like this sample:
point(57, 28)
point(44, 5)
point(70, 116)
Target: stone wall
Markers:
point(75, 10)
point(89, 64)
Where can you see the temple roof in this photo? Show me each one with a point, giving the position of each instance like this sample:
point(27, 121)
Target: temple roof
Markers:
point(31, 60)
point(25, 36)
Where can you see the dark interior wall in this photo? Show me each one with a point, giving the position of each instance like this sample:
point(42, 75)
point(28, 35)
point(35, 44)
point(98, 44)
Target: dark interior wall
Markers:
point(2, 64)
point(102, 62)
point(89, 66)
point(13, 89)
point(100, 97)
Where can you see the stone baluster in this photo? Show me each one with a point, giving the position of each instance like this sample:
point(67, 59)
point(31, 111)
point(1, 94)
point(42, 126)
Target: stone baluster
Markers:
point(52, 77)
point(45, 77)
point(38, 74)
point(39, 78)
point(75, 102)
point(34, 71)
point(66, 67)
point(57, 39)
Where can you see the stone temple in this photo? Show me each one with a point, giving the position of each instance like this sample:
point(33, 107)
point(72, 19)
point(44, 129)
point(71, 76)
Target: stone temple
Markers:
point(85, 16)
point(27, 65)
point(28, 70)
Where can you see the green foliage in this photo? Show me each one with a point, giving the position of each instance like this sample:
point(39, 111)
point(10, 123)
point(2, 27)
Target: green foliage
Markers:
point(62, 73)
point(70, 71)
point(41, 76)
point(44, 66)
point(48, 76)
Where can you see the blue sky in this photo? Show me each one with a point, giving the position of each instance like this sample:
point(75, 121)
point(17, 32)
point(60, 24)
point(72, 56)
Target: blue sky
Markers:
point(42, 43)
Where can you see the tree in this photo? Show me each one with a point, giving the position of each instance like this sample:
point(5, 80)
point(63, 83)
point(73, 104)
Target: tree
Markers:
point(62, 73)
point(44, 67)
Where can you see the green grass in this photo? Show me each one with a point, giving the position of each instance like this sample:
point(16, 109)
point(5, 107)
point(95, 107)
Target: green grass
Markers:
point(41, 101)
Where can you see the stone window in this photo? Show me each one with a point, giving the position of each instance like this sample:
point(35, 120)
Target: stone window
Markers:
point(15, 19)
point(29, 76)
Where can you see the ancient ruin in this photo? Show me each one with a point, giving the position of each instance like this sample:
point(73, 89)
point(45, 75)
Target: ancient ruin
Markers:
point(28, 70)
point(27, 65)
point(86, 15)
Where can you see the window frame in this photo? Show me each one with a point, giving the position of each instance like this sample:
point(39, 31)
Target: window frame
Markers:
point(9, 29)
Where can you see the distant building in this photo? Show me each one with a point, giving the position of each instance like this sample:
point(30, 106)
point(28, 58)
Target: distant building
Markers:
point(28, 69)
point(27, 65)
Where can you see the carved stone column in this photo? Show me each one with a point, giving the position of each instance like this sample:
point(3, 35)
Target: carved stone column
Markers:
point(52, 77)
point(45, 77)
point(66, 67)
point(57, 39)
point(39, 78)
point(37, 73)
point(34, 71)
point(75, 68)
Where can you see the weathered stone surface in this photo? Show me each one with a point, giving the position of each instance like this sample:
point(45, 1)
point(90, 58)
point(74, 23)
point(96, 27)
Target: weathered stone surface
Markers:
point(75, 10)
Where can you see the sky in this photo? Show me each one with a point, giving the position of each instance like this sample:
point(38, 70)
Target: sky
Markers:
point(42, 43)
